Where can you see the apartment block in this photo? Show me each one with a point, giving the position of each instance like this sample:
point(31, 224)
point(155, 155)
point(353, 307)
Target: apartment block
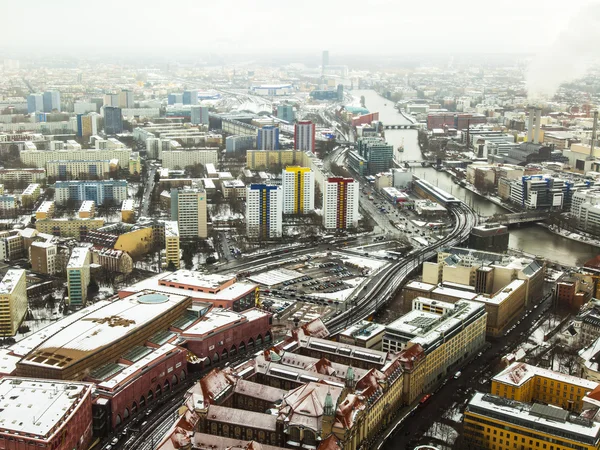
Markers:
point(264, 211)
point(298, 190)
point(13, 301)
point(78, 276)
point(340, 203)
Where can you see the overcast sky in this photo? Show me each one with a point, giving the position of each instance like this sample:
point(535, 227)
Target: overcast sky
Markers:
point(252, 26)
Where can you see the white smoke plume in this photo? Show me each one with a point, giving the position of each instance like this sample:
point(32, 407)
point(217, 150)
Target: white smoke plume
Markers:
point(569, 57)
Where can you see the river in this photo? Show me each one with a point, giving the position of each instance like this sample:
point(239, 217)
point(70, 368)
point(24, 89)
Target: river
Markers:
point(530, 239)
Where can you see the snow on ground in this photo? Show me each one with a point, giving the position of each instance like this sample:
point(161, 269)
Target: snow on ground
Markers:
point(223, 212)
point(105, 292)
point(420, 240)
point(340, 296)
point(442, 432)
point(453, 413)
point(367, 263)
point(419, 223)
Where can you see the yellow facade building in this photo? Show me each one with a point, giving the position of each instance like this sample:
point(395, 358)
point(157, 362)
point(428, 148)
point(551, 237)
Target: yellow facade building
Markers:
point(87, 210)
point(526, 383)
point(45, 211)
point(498, 423)
point(447, 339)
point(128, 211)
point(30, 195)
point(13, 301)
point(263, 159)
point(172, 250)
point(63, 227)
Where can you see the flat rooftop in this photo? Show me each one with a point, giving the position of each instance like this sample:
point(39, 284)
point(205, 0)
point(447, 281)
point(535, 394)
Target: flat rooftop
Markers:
point(552, 420)
point(78, 257)
point(10, 280)
point(274, 277)
point(502, 294)
point(217, 319)
point(196, 279)
point(29, 406)
point(232, 292)
point(100, 328)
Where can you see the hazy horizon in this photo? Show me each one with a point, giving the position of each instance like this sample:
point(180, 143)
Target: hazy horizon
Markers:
point(237, 27)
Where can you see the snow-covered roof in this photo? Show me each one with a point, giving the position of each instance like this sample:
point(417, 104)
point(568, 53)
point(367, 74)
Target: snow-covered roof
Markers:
point(557, 422)
point(457, 293)
point(274, 277)
point(10, 280)
point(427, 328)
point(87, 206)
point(78, 257)
point(196, 279)
point(101, 327)
point(45, 206)
point(590, 356)
point(31, 189)
point(231, 292)
point(25, 346)
point(420, 285)
point(234, 416)
point(36, 407)
point(218, 319)
point(503, 294)
point(127, 205)
point(519, 373)
point(8, 362)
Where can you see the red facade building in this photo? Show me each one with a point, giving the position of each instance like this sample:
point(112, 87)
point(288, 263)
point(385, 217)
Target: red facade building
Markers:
point(62, 412)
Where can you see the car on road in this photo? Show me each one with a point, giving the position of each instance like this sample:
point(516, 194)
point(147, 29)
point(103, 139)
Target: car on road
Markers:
point(457, 375)
point(115, 441)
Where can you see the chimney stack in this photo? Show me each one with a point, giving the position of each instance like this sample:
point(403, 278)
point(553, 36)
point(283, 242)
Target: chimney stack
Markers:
point(530, 124)
point(538, 124)
point(594, 128)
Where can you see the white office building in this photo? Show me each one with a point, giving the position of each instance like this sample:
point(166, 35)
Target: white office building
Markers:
point(264, 211)
point(585, 207)
point(188, 208)
point(340, 203)
point(298, 190)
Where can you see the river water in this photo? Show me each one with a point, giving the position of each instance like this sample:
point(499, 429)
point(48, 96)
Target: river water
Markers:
point(530, 239)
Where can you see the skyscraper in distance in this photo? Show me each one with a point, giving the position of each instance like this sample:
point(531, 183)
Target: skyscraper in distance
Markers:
point(35, 103)
point(190, 97)
point(51, 101)
point(304, 136)
point(267, 138)
point(199, 115)
point(113, 120)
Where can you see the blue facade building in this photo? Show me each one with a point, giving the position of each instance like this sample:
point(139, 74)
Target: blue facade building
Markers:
point(51, 101)
point(267, 138)
point(35, 103)
point(190, 97)
point(114, 191)
point(199, 115)
point(113, 120)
